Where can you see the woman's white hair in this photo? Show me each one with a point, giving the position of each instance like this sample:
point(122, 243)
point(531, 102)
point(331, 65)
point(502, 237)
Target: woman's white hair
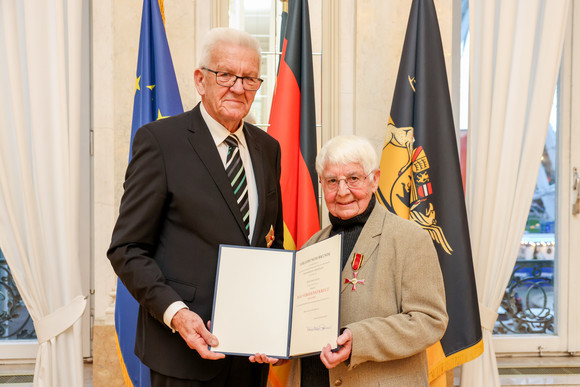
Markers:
point(342, 150)
point(218, 36)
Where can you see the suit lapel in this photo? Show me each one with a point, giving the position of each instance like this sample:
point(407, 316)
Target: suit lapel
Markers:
point(203, 144)
point(366, 244)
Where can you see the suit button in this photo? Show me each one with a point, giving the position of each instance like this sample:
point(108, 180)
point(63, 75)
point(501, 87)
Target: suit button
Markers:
point(338, 382)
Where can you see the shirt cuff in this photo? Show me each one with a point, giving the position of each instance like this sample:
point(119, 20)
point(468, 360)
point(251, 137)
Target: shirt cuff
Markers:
point(171, 311)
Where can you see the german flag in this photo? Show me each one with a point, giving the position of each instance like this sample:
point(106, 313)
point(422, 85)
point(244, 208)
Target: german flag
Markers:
point(293, 124)
point(421, 180)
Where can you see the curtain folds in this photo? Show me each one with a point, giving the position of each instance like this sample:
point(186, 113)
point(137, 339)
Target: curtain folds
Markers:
point(516, 49)
point(40, 70)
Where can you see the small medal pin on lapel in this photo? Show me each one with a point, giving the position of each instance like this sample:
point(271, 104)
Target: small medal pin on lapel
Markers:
point(270, 237)
point(357, 262)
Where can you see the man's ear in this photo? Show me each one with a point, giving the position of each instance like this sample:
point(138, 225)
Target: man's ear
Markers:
point(198, 77)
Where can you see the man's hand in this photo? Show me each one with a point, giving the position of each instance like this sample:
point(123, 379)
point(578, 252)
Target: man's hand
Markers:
point(332, 359)
point(190, 327)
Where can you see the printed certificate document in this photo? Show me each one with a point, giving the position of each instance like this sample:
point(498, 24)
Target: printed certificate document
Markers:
point(279, 302)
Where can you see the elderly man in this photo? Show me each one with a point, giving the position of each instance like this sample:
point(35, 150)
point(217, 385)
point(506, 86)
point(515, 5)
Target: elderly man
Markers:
point(195, 181)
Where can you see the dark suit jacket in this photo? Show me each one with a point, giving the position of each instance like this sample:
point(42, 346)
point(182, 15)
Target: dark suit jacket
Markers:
point(178, 206)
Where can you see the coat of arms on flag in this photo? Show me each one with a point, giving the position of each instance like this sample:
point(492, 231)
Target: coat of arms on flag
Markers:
point(406, 187)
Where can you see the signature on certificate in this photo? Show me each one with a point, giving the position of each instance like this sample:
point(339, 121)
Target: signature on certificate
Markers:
point(318, 328)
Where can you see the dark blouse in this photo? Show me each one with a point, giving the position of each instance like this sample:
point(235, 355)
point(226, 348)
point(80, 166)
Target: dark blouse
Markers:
point(313, 372)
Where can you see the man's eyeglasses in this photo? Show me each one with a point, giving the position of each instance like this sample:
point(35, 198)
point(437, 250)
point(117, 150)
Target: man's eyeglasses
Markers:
point(228, 80)
point(353, 181)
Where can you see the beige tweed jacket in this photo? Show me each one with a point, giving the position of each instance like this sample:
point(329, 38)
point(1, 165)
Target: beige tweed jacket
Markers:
point(398, 312)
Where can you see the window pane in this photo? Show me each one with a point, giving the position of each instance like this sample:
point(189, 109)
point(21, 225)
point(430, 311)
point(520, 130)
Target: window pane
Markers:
point(262, 19)
point(15, 322)
point(528, 302)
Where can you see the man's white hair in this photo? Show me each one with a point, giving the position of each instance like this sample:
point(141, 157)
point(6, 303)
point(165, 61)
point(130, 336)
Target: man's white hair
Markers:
point(218, 36)
point(342, 150)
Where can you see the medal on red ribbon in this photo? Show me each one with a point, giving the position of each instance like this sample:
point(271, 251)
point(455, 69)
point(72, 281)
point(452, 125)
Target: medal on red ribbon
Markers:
point(357, 262)
point(270, 236)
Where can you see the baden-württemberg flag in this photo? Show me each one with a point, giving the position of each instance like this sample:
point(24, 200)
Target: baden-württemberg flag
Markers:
point(156, 97)
point(421, 180)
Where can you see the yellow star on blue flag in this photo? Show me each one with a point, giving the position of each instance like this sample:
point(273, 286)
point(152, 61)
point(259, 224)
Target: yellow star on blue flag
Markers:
point(154, 71)
point(159, 115)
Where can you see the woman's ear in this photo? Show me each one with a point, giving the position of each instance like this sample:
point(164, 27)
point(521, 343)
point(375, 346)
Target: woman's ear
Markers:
point(376, 175)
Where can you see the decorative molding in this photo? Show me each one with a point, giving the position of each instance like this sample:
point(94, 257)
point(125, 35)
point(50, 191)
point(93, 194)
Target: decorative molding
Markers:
point(331, 76)
point(220, 13)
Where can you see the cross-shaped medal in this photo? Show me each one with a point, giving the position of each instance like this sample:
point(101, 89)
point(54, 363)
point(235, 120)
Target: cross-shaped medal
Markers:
point(354, 281)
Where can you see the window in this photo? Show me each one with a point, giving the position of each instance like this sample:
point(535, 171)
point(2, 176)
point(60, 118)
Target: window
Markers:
point(263, 19)
point(15, 321)
point(528, 305)
point(538, 312)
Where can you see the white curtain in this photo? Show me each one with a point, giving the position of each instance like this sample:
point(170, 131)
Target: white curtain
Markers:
point(40, 74)
point(516, 49)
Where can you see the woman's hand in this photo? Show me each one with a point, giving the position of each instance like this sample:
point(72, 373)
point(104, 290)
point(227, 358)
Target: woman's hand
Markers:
point(331, 359)
point(262, 358)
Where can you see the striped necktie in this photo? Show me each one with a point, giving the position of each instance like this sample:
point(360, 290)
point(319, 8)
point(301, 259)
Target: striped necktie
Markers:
point(237, 176)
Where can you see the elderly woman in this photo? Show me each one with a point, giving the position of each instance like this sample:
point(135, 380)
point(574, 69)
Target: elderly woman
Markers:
point(392, 296)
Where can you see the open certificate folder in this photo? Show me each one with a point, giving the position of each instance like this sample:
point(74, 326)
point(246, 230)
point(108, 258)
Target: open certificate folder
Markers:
point(279, 302)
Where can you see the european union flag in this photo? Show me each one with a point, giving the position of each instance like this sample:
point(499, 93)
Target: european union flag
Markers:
point(156, 97)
